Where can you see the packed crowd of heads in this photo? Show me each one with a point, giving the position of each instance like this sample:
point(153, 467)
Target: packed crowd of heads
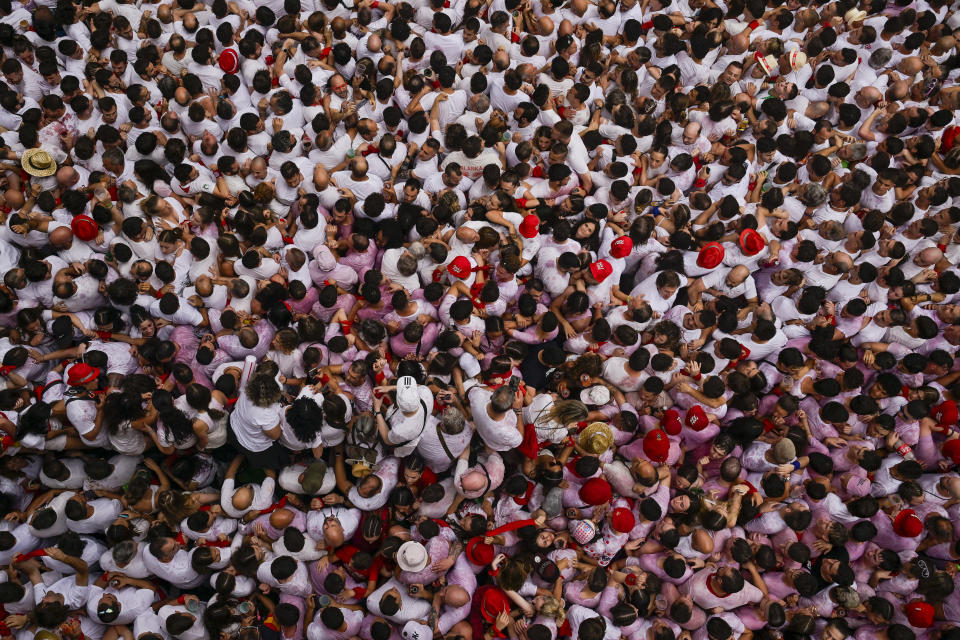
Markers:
point(479, 320)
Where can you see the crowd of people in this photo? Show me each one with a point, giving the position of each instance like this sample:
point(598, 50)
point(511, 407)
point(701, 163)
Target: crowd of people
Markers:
point(479, 320)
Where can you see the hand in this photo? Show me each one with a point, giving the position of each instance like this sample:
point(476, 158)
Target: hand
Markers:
point(503, 620)
point(16, 620)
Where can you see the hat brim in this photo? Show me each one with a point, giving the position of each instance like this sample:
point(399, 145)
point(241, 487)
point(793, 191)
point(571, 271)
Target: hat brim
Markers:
point(413, 568)
point(33, 171)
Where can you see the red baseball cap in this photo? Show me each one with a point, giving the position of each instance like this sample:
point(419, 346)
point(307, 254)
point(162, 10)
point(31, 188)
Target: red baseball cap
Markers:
point(600, 270)
point(751, 242)
point(697, 418)
point(670, 422)
point(710, 256)
point(907, 524)
point(621, 247)
point(82, 373)
point(229, 61)
point(951, 449)
point(945, 414)
point(595, 491)
point(460, 267)
point(530, 226)
point(920, 614)
point(656, 445)
point(84, 227)
point(622, 520)
point(479, 552)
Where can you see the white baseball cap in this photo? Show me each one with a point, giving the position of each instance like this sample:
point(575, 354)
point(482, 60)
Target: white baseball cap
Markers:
point(414, 630)
point(408, 398)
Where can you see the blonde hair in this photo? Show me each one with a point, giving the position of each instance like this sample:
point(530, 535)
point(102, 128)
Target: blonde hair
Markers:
point(565, 412)
point(553, 608)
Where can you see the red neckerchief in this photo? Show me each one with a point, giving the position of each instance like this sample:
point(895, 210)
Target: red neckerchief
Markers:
point(525, 498)
point(7, 369)
point(276, 505)
point(710, 588)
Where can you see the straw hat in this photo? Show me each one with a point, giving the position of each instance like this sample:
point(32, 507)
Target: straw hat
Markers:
point(854, 15)
point(38, 162)
point(596, 438)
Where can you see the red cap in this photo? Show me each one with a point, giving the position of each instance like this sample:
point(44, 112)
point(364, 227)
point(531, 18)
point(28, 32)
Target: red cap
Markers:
point(621, 247)
point(530, 226)
point(670, 422)
point(82, 373)
point(492, 603)
point(751, 242)
point(229, 61)
point(596, 491)
point(460, 267)
point(656, 445)
point(84, 227)
point(907, 524)
point(600, 270)
point(710, 256)
point(622, 520)
point(920, 614)
point(945, 414)
point(951, 449)
point(479, 552)
point(697, 418)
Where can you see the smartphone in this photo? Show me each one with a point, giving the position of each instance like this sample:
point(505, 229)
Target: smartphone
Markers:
point(514, 383)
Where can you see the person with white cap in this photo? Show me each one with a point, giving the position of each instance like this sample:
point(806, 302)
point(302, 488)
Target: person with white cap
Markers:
point(403, 424)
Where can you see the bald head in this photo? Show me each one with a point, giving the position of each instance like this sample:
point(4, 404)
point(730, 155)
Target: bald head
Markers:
point(320, 177)
point(358, 166)
point(67, 177)
point(473, 481)
point(738, 274)
point(929, 257)
point(546, 26)
point(281, 518)
point(374, 43)
point(842, 261)
point(867, 96)
point(910, 65)
point(182, 96)
point(738, 43)
point(61, 237)
point(333, 534)
point(898, 91)
point(242, 498)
